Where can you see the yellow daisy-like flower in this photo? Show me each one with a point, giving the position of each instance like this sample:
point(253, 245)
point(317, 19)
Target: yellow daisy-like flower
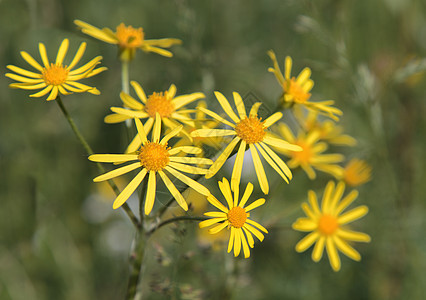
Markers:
point(297, 90)
point(155, 157)
point(328, 225)
point(169, 107)
point(356, 172)
point(128, 40)
point(329, 130)
point(248, 131)
point(236, 218)
point(55, 77)
point(311, 157)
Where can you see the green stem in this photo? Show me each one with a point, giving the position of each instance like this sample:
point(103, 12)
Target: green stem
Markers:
point(89, 151)
point(176, 219)
point(136, 259)
point(125, 76)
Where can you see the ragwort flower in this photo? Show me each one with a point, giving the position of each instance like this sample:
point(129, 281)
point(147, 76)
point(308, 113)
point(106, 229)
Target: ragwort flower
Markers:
point(55, 78)
point(166, 104)
point(311, 157)
point(128, 40)
point(236, 218)
point(356, 172)
point(248, 131)
point(328, 225)
point(155, 157)
point(297, 90)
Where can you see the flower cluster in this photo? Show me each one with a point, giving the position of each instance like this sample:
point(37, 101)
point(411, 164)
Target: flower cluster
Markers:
point(174, 132)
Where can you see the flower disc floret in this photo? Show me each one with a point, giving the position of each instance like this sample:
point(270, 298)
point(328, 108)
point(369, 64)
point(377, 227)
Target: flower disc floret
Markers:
point(305, 155)
point(251, 130)
point(327, 224)
point(237, 216)
point(56, 74)
point(129, 37)
point(154, 156)
point(159, 102)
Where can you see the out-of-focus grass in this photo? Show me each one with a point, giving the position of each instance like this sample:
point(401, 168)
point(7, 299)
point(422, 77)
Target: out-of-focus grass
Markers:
point(60, 238)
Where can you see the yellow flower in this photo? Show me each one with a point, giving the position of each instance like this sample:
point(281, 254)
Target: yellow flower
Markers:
point(329, 130)
point(328, 225)
point(164, 103)
point(128, 40)
point(155, 157)
point(248, 131)
point(297, 90)
point(356, 172)
point(311, 155)
point(55, 77)
point(236, 218)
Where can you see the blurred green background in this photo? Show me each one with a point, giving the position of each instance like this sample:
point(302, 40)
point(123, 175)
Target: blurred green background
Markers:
point(60, 238)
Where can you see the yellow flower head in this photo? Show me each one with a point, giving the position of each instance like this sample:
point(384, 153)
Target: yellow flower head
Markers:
point(328, 225)
point(311, 157)
point(155, 157)
point(356, 172)
point(249, 131)
point(297, 90)
point(169, 108)
point(236, 218)
point(128, 40)
point(328, 130)
point(55, 78)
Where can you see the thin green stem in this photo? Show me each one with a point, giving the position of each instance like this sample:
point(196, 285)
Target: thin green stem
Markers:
point(136, 259)
point(175, 219)
point(89, 151)
point(125, 76)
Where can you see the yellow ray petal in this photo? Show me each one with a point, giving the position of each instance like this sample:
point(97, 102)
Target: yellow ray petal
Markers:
point(217, 228)
point(346, 201)
point(117, 172)
point(115, 118)
point(174, 191)
point(255, 204)
point(208, 132)
point(260, 172)
point(112, 157)
point(62, 52)
point(354, 236)
point(254, 231)
point(272, 119)
point(29, 59)
point(210, 222)
point(185, 149)
point(239, 104)
point(171, 134)
point(346, 249)
point(78, 56)
point(53, 93)
point(222, 158)
point(318, 249)
point(150, 195)
point(187, 169)
point(254, 109)
point(226, 107)
point(188, 181)
point(307, 242)
point(23, 72)
point(191, 160)
point(231, 239)
point(129, 189)
point(246, 195)
point(216, 116)
point(43, 55)
point(257, 225)
point(250, 239)
point(237, 242)
point(42, 92)
point(246, 249)
point(353, 214)
point(226, 191)
point(270, 161)
point(333, 256)
point(139, 91)
point(183, 100)
point(23, 79)
point(281, 144)
point(216, 203)
point(131, 102)
point(238, 167)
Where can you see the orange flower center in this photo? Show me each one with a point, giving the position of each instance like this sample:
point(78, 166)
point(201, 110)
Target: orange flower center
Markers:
point(251, 130)
point(159, 103)
point(154, 156)
point(55, 74)
point(129, 37)
point(327, 224)
point(294, 89)
point(305, 155)
point(237, 216)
